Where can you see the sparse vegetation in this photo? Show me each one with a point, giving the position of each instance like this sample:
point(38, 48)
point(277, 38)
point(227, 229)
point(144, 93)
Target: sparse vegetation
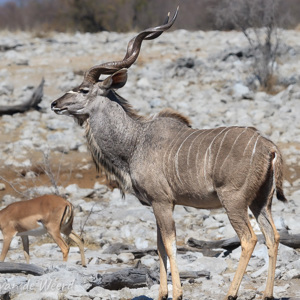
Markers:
point(259, 20)
point(31, 178)
point(125, 15)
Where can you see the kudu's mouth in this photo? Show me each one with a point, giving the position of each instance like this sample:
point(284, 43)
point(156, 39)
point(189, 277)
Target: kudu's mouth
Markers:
point(58, 110)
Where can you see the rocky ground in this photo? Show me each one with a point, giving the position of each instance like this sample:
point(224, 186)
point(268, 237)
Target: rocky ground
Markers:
point(187, 71)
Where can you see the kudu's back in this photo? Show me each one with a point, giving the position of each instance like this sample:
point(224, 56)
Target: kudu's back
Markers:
point(193, 167)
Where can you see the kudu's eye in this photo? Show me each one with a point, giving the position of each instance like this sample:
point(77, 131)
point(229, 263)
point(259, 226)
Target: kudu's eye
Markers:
point(84, 90)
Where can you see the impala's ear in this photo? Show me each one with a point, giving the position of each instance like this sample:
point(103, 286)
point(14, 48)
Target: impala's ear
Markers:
point(115, 81)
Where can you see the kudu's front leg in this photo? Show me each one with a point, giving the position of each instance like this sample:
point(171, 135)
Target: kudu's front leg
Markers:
point(163, 261)
point(167, 245)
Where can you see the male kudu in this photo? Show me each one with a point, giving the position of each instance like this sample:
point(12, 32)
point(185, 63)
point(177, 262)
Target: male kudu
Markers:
point(164, 162)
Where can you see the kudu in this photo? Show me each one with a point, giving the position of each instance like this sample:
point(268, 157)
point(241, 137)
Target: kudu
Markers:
point(35, 217)
point(164, 162)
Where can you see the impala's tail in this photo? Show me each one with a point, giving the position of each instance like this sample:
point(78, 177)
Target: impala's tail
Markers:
point(67, 217)
point(277, 164)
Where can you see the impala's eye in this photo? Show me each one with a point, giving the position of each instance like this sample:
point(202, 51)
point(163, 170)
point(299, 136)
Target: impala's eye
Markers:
point(84, 90)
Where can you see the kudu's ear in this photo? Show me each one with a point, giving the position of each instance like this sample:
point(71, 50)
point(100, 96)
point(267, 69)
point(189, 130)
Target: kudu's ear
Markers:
point(115, 81)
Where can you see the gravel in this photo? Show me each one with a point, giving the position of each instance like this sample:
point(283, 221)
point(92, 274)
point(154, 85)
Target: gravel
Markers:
point(182, 70)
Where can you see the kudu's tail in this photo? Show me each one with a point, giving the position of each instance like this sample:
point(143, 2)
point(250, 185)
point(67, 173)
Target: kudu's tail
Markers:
point(277, 163)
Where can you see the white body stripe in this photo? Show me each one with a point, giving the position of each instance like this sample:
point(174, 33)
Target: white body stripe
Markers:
point(220, 150)
point(198, 152)
point(254, 149)
point(208, 150)
point(177, 154)
point(249, 142)
point(233, 147)
point(191, 145)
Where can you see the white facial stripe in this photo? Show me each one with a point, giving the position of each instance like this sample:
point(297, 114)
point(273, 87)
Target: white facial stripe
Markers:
point(72, 92)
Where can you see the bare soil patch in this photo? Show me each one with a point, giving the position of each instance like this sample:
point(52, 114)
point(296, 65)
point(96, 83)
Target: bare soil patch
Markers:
point(72, 168)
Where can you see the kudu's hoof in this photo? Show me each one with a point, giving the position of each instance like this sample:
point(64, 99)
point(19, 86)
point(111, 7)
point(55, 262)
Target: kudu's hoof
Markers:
point(269, 298)
point(231, 298)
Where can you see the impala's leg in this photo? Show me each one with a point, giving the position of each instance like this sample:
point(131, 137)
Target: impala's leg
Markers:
point(262, 213)
point(6, 243)
point(25, 242)
point(166, 226)
point(79, 241)
point(237, 212)
point(163, 260)
point(60, 242)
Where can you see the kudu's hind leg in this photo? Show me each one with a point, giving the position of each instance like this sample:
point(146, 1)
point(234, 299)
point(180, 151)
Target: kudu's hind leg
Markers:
point(237, 212)
point(166, 226)
point(266, 224)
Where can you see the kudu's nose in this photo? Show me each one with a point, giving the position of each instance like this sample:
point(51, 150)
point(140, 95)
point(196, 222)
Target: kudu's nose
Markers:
point(53, 104)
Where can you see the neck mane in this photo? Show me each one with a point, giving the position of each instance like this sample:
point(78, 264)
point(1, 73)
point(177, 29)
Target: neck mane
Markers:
point(132, 113)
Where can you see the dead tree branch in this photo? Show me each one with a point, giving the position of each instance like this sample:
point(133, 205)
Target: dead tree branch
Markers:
point(33, 102)
point(137, 277)
point(8, 267)
point(290, 240)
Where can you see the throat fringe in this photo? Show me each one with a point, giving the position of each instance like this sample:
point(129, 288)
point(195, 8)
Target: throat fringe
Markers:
point(103, 164)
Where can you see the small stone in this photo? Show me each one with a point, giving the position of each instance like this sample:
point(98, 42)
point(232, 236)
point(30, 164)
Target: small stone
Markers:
point(76, 192)
point(148, 261)
point(125, 258)
point(291, 274)
point(30, 174)
point(241, 91)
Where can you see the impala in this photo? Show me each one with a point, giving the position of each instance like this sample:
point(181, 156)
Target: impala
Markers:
point(164, 162)
point(49, 213)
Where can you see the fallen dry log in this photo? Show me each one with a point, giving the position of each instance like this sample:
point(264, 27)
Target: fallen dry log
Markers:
point(137, 277)
point(290, 240)
point(118, 248)
point(130, 277)
point(5, 47)
point(8, 267)
point(33, 102)
point(194, 274)
point(227, 244)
